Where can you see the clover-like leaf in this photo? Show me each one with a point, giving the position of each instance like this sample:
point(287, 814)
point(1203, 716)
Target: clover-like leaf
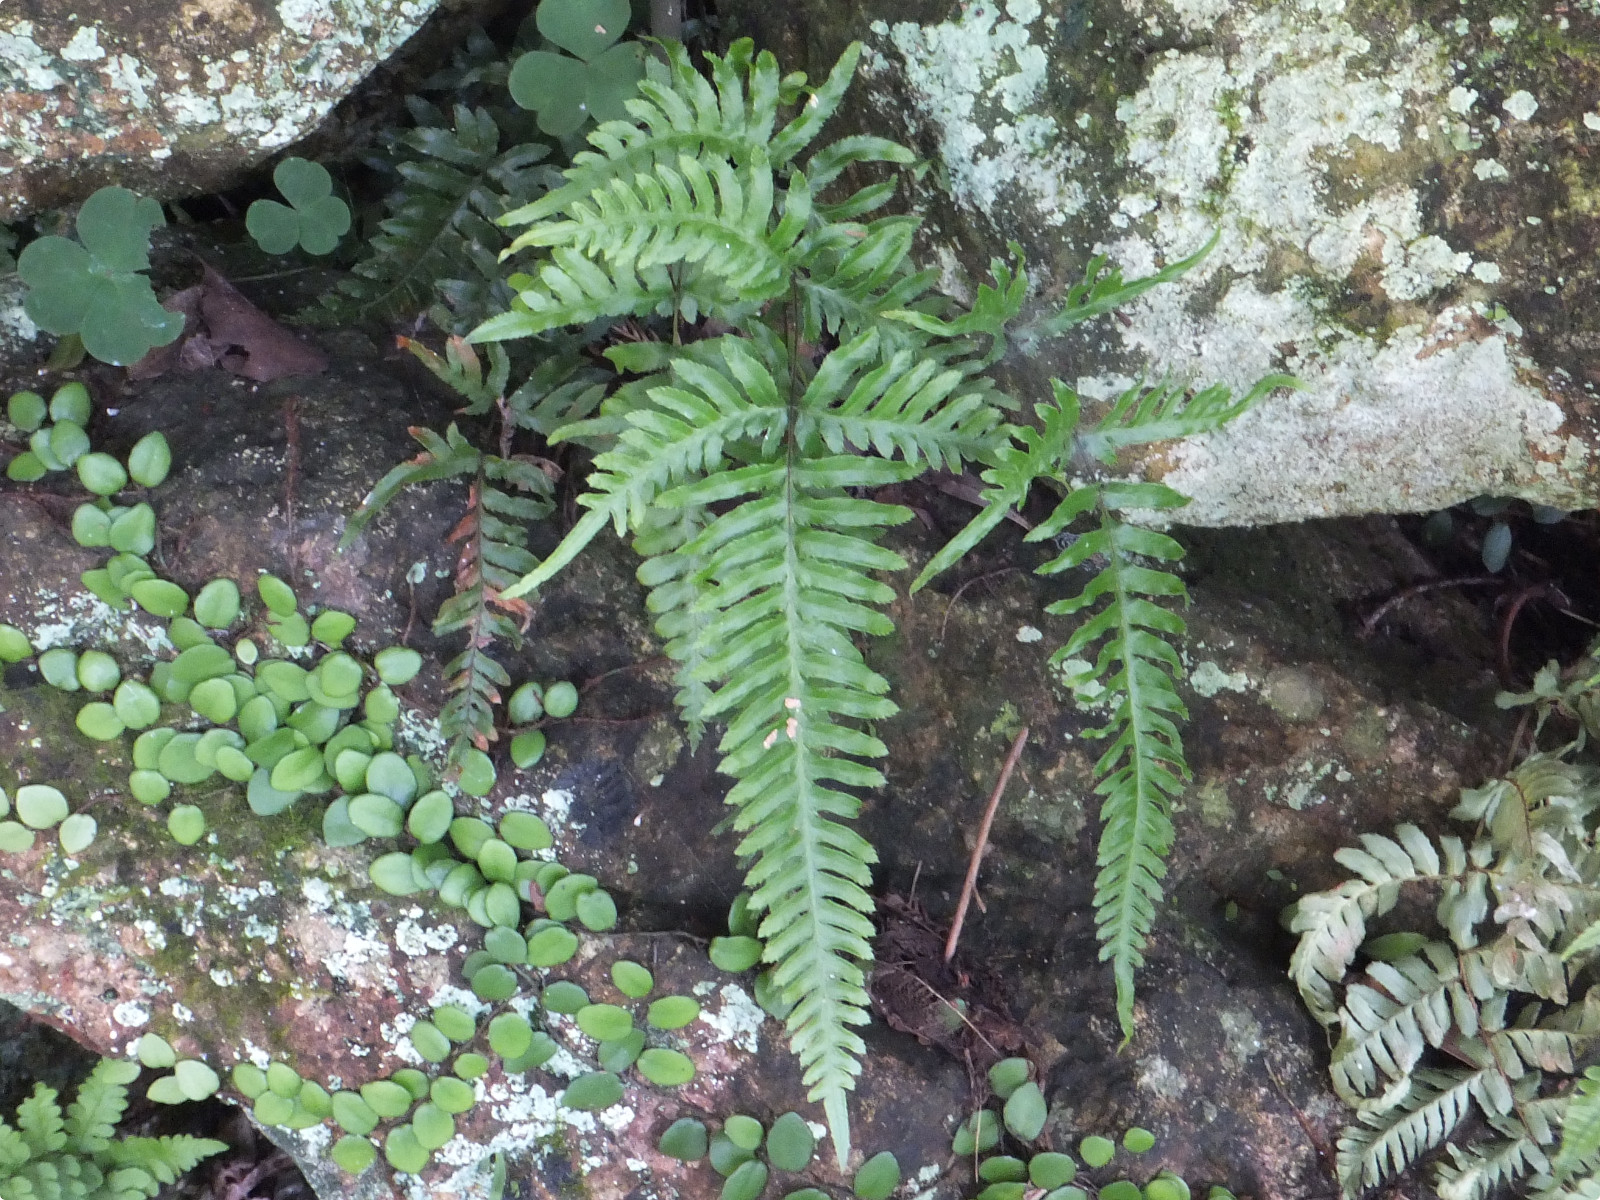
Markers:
point(314, 219)
point(583, 27)
point(94, 289)
point(613, 80)
point(552, 85)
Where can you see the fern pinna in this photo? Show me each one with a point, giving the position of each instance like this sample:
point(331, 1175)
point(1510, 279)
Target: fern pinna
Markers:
point(737, 460)
point(48, 1155)
point(1492, 1018)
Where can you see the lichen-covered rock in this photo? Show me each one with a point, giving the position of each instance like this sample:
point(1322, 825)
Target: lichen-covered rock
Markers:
point(1406, 204)
point(174, 97)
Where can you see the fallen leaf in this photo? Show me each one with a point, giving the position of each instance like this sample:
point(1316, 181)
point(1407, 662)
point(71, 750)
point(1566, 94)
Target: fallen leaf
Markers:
point(223, 329)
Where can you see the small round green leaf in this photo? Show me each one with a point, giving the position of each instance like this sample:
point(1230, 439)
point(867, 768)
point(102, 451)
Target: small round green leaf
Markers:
point(14, 645)
point(217, 605)
point(670, 1068)
point(1137, 1140)
point(564, 996)
point(452, 1095)
point(1096, 1151)
point(790, 1142)
point(635, 982)
point(526, 704)
point(149, 787)
point(133, 531)
point(331, 627)
point(455, 1022)
point(165, 1090)
point(389, 775)
point(375, 815)
point(673, 1012)
point(561, 699)
point(1051, 1169)
point(404, 1152)
point(1007, 1075)
point(91, 527)
point(432, 1125)
point(136, 704)
point(101, 474)
point(186, 824)
point(99, 721)
point(15, 838)
point(160, 597)
point(60, 669)
point(685, 1139)
point(494, 982)
point(40, 806)
point(397, 665)
point(1025, 1112)
point(353, 1155)
point(1122, 1189)
point(597, 910)
point(525, 831)
point(353, 1114)
point(592, 1092)
point(98, 671)
point(471, 1065)
point(1003, 1168)
point(477, 773)
point(604, 1022)
point(745, 1132)
point(206, 660)
point(26, 467)
point(248, 1079)
point(214, 699)
point(150, 459)
point(196, 1079)
point(277, 595)
point(747, 1182)
point(618, 1055)
point(77, 833)
point(392, 873)
point(877, 1178)
point(388, 1097)
point(510, 1035)
point(976, 1134)
point(527, 747)
point(551, 946)
point(69, 443)
point(735, 953)
point(156, 1052)
point(26, 410)
point(1166, 1186)
point(430, 1042)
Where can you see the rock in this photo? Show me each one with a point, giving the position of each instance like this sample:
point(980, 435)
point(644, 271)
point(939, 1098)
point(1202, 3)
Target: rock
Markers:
point(1405, 208)
point(261, 942)
point(176, 97)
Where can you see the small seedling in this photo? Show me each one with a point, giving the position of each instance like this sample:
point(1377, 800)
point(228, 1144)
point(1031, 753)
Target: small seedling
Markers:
point(314, 219)
point(95, 287)
point(566, 91)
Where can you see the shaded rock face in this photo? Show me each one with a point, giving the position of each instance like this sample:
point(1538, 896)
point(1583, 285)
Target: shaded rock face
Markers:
point(175, 97)
point(260, 942)
point(1406, 198)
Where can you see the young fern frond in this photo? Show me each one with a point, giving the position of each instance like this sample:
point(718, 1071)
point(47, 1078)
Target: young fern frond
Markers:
point(80, 1157)
point(1143, 768)
point(440, 237)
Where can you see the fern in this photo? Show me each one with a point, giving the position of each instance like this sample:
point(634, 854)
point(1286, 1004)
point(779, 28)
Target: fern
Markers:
point(506, 493)
point(438, 246)
point(1424, 1036)
point(808, 363)
point(79, 1157)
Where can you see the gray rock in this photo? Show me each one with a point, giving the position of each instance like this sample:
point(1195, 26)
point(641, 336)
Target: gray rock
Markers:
point(1404, 205)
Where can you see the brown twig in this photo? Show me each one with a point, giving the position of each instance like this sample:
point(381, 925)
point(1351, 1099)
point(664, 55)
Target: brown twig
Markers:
point(1417, 589)
point(1538, 591)
point(956, 595)
point(1017, 744)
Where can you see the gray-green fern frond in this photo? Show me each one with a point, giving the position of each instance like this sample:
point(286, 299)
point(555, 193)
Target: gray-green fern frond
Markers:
point(1495, 1021)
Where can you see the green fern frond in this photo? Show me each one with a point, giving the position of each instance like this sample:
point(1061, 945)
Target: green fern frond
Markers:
point(441, 232)
point(39, 1121)
point(1143, 768)
point(1166, 412)
point(672, 573)
point(1409, 1005)
point(1580, 1126)
point(101, 1100)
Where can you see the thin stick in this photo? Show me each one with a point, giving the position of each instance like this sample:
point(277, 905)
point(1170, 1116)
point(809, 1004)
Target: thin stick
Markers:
point(983, 840)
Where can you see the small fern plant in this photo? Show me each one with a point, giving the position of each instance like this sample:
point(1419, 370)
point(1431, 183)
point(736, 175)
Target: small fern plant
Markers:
point(800, 363)
point(507, 491)
point(48, 1155)
point(1492, 1013)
